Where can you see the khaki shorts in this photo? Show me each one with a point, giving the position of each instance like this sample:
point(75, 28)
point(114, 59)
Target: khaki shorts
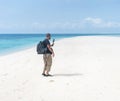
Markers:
point(47, 61)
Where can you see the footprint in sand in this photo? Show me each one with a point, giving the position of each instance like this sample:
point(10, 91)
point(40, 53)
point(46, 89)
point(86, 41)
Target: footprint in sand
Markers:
point(3, 77)
point(51, 81)
point(19, 98)
point(68, 84)
point(25, 82)
point(5, 74)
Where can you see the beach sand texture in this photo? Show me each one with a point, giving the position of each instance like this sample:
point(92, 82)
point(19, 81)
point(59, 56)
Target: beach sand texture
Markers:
point(85, 69)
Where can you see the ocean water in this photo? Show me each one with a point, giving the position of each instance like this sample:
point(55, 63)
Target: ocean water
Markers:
point(15, 42)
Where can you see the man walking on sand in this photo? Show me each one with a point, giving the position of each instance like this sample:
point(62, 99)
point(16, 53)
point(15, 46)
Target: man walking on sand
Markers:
point(47, 57)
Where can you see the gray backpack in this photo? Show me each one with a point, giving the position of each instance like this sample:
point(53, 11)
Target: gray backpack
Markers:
point(41, 49)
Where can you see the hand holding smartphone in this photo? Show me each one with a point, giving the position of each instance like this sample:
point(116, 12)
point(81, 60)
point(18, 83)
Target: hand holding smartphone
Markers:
point(53, 40)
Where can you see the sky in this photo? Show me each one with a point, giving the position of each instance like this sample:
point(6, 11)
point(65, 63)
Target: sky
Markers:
point(60, 16)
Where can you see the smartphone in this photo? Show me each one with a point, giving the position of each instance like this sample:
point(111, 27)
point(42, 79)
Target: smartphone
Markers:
point(53, 40)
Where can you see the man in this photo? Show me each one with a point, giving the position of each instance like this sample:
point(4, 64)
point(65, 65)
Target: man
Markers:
point(47, 57)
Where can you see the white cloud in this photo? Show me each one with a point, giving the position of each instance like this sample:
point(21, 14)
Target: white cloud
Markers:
point(100, 23)
point(59, 25)
point(75, 25)
point(93, 20)
point(7, 26)
point(84, 24)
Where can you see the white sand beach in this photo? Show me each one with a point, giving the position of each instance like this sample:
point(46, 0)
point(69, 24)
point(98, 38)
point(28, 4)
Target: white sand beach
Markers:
point(85, 68)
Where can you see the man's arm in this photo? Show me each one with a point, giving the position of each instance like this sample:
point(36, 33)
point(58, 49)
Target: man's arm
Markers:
point(51, 50)
point(52, 44)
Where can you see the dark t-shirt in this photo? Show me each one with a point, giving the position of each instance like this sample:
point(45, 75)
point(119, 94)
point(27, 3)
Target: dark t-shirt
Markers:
point(46, 42)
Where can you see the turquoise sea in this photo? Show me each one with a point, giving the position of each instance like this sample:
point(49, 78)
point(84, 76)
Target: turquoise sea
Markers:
point(15, 42)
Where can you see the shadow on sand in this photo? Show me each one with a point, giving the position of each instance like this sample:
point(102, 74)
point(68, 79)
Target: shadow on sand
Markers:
point(74, 74)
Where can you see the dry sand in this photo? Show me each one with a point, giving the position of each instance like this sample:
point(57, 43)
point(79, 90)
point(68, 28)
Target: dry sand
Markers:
point(84, 69)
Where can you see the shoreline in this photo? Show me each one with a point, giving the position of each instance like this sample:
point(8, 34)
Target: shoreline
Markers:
point(13, 51)
point(23, 48)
